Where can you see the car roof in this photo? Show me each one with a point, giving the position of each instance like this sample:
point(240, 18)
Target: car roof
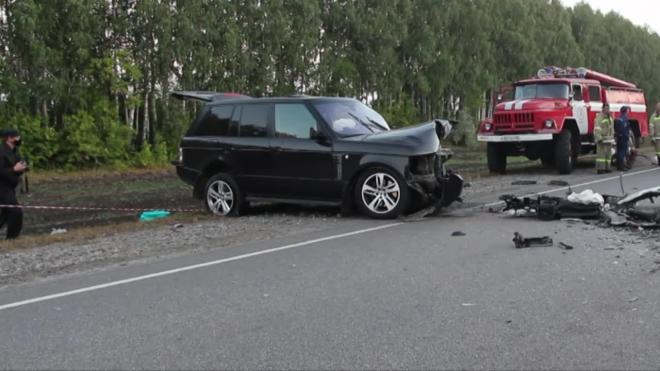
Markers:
point(287, 99)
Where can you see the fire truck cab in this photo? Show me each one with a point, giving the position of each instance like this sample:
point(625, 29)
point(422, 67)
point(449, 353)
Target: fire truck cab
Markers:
point(551, 117)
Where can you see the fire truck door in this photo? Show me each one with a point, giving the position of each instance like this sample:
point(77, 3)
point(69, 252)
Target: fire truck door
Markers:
point(580, 110)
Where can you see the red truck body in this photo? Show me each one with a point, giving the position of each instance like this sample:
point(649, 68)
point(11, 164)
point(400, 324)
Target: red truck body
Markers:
point(551, 117)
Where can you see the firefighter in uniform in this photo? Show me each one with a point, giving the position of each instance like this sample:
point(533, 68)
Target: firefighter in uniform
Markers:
point(604, 136)
point(11, 170)
point(654, 131)
point(622, 134)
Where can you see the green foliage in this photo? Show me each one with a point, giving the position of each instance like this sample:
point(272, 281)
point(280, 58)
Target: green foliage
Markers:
point(464, 132)
point(88, 81)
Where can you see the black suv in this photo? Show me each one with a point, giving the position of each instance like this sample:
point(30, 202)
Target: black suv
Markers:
point(320, 150)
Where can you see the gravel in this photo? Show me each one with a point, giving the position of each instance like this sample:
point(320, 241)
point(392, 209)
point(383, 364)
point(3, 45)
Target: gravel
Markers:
point(26, 264)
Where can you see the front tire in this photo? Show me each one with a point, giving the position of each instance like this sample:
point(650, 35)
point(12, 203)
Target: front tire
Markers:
point(496, 158)
point(564, 155)
point(381, 194)
point(222, 196)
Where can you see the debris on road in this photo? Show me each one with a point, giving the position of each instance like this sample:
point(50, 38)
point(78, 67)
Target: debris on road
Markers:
point(586, 197)
point(524, 182)
point(611, 210)
point(565, 246)
point(521, 242)
point(550, 208)
point(558, 183)
point(458, 233)
point(632, 300)
point(58, 231)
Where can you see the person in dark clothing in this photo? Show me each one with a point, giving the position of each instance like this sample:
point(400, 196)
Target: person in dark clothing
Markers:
point(622, 135)
point(11, 170)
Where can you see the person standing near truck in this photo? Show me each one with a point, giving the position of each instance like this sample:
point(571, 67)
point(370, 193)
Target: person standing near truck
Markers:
point(622, 135)
point(654, 131)
point(604, 136)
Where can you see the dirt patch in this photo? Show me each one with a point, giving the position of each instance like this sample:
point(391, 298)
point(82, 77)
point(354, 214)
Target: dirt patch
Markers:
point(154, 188)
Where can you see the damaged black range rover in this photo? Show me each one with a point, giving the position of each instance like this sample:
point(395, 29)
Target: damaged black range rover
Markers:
point(320, 150)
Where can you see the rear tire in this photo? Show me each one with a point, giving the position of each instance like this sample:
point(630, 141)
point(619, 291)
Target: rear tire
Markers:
point(564, 152)
point(222, 196)
point(496, 158)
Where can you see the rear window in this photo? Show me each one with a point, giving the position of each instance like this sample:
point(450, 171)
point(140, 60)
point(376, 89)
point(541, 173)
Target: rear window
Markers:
point(216, 122)
point(254, 120)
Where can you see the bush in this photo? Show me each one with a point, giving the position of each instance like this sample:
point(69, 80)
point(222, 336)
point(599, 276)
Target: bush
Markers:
point(39, 142)
point(463, 134)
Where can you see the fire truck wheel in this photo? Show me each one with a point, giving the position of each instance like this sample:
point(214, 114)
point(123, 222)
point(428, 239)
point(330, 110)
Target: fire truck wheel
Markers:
point(564, 155)
point(496, 158)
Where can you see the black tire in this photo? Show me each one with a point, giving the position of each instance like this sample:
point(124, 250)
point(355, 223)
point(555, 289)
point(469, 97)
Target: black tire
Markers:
point(226, 183)
point(496, 158)
point(564, 152)
point(367, 203)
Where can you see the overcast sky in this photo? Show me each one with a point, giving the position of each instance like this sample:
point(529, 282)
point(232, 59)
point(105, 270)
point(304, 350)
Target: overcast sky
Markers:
point(640, 12)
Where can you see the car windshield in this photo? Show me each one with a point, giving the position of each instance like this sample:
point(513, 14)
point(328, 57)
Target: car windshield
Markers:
point(350, 117)
point(559, 91)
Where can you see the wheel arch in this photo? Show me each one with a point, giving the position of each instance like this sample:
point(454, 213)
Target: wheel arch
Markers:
point(212, 168)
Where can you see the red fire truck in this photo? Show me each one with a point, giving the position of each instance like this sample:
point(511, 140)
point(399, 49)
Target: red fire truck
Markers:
point(551, 116)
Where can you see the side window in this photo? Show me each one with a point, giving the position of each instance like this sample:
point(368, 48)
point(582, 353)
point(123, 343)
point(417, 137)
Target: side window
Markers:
point(294, 121)
point(254, 120)
point(577, 92)
point(594, 94)
point(216, 122)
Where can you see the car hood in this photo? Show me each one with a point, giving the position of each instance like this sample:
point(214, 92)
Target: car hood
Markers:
point(410, 141)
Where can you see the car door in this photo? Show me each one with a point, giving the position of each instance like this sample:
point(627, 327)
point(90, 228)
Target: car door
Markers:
point(251, 148)
point(302, 155)
point(580, 109)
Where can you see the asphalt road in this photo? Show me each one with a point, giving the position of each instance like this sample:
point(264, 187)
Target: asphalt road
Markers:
point(373, 296)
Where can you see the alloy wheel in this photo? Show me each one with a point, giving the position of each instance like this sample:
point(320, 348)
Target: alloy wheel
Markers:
point(381, 193)
point(220, 197)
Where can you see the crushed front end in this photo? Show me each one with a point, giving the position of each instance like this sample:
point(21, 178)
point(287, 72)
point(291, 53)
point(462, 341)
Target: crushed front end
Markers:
point(430, 178)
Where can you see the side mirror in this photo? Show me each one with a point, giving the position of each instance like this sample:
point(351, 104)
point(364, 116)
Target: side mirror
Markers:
point(500, 97)
point(319, 136)
point(570, 96)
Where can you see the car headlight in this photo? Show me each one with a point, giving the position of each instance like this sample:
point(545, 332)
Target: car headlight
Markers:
point(488, 126)
point(549, 124)
point(180, 154)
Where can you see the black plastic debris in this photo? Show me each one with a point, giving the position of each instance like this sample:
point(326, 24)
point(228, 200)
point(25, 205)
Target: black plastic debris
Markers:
point(550, 208)
point(524, 182)
point(458, 233)
point(521, 242)
point(565, 246)
point(558, 183)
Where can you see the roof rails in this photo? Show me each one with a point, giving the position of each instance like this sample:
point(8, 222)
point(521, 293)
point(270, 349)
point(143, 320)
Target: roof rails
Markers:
point(206, 96)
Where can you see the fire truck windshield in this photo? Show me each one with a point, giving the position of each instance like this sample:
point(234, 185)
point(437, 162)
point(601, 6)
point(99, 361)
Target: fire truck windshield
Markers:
point(529, 91)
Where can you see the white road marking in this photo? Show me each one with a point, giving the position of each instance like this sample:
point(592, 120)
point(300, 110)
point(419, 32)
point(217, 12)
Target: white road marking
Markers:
point(189, 267)
point(497, 203)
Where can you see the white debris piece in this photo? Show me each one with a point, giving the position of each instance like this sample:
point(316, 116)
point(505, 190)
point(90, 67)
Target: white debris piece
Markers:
point(586, 197)
point(58, 231)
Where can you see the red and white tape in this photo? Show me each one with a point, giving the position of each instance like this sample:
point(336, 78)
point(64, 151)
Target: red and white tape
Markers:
point(84, 208)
